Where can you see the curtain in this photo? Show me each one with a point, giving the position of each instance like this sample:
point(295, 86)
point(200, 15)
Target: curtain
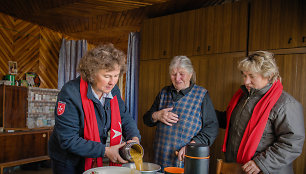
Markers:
point(69, 56)
point(132, 74)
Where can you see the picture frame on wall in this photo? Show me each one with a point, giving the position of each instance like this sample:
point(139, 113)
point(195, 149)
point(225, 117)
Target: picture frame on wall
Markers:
point(12, 67)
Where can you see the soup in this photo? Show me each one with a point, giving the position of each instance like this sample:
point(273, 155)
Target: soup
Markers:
point(137, 158)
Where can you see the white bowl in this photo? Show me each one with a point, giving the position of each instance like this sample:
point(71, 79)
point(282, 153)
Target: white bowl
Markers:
point(149, 168)
point(112, 170)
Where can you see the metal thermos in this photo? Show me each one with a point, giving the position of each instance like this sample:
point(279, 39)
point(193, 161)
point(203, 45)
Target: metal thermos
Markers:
point(196, 159)
point(126, 149)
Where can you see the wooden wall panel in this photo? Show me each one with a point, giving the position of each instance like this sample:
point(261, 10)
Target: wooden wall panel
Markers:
point(26, 47)
point(6, 42)
point(153, 75)
point(291, 67)
point(34, 48)
point(50, 44)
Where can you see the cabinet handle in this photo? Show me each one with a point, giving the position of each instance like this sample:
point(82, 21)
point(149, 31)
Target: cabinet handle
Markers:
point(164, 53)
point(303, 38)
point(198, 49)
point(208, 48)
point(44, 135)
point(290, 39)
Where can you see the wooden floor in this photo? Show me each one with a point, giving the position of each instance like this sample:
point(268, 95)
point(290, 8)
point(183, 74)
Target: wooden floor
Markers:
point(39, 171)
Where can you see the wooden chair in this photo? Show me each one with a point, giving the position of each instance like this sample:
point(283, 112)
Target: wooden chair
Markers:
point(228, 168)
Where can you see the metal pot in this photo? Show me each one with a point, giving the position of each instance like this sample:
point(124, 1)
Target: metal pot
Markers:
point(112, 169)
point(148, 168)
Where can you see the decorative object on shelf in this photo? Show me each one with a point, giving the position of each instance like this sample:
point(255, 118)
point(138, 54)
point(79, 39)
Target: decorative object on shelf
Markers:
point(41, 104)
point(23, 83)
point(33, 79)
point(12, 67)
point(10, 78)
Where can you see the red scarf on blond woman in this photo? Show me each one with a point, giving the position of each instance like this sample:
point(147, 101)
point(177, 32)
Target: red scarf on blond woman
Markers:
point(256, 124)
point(91, 131)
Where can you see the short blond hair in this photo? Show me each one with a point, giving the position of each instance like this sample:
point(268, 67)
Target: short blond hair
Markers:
point(101, 57)
point(261, 62)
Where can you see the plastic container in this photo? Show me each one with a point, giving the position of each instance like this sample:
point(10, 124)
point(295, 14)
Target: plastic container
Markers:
point(196, 159)
point(173, 170)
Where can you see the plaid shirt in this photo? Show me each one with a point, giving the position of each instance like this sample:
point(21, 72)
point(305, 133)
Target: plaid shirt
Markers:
point(169, 139)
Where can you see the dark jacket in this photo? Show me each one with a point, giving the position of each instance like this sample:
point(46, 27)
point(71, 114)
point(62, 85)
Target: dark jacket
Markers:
point(66, 143)
point(283, 138)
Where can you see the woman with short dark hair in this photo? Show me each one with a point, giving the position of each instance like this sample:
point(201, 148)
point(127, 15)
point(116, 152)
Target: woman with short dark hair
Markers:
point(89, 109)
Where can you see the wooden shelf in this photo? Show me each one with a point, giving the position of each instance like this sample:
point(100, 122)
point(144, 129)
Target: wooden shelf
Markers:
point(23, 161)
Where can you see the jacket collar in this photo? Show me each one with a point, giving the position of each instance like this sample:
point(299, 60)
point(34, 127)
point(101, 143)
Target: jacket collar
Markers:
point(183, 91)
point(258, 92)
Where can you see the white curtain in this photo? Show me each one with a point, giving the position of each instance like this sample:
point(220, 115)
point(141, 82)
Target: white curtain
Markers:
point(70, 54)
point(132, 74)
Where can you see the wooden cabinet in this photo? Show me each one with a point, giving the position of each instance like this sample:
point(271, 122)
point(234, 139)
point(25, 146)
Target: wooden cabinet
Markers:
point(26, 108)
point(277, 24)
point(217, 29)
point(26, 116)
point(23, 147)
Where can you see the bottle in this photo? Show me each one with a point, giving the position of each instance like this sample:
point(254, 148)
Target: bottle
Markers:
point(196, 159)
point(125, 151)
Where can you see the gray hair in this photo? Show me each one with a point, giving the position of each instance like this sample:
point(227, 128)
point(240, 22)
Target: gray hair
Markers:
point(183, 62)
point(261, 62)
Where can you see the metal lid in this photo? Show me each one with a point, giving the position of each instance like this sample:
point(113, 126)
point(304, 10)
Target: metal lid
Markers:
point(197, 150)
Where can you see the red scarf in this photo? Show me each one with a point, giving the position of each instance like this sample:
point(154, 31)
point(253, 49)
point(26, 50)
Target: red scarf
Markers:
point(256, 124)
point(91, 131)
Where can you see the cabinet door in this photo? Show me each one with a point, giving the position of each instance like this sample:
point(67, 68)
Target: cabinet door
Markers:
point(275, 24)
point(14, 106)
point(221, 29)
point(165, 36)
point(302, 16)
point(146, 39)
point(23, 145)
point(150, 39)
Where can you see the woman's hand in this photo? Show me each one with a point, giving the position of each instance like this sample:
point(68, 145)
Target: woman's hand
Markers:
point(165, 116)
point(112, 153)
point(250, 167)
point(181, 153)
point(134, 139)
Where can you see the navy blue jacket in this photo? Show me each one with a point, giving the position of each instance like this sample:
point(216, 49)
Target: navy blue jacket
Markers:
point(67, 143)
